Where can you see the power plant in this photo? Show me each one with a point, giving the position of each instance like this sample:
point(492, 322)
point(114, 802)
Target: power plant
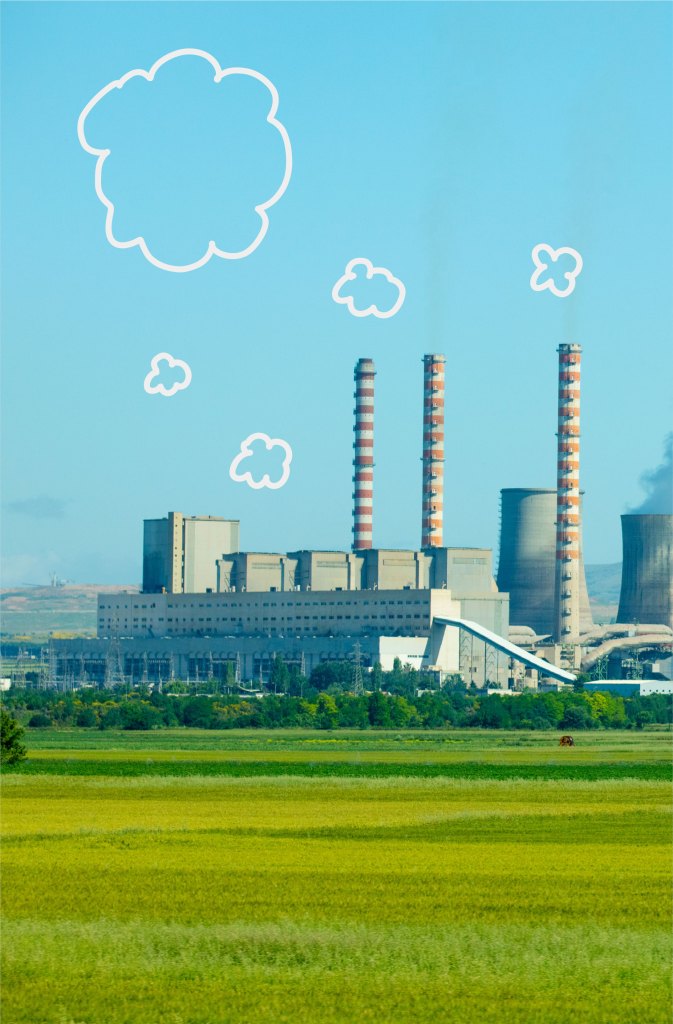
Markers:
point(207, 606)
point(647, 570)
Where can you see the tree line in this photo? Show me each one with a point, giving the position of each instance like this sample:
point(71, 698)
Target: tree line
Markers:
point(401, 698)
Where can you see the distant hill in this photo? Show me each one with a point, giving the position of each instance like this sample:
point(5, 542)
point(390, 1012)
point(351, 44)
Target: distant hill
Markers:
point(37, 611)
point(604, 583)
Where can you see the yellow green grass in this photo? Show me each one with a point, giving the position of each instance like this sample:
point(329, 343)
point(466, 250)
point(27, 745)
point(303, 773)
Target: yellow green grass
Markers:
point(203, 899)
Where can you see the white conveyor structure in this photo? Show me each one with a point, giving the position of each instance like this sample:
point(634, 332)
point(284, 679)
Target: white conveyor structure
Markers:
point(511, 649)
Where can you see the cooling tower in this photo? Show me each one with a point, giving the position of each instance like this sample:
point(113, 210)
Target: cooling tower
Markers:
point(647, 570)
point(432, 517)
point(363, 458)
point(527, 562)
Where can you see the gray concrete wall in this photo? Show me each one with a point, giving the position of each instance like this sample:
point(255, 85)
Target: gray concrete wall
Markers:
point(647, 569)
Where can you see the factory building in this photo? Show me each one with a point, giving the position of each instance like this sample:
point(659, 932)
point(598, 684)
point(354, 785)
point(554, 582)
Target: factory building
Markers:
point(274, 613)
point(527, 561)
point(248, 658)
point(647, 569)
point(180, 552)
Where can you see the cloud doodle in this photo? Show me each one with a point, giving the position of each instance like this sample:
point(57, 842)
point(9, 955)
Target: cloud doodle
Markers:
point(350, 274)
point(102, 154)
point(159, 388)
point(246, 452)
point(553, 255)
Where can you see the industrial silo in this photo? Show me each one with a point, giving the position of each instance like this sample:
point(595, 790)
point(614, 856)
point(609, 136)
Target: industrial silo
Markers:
point(527, 562)
point(647, 569)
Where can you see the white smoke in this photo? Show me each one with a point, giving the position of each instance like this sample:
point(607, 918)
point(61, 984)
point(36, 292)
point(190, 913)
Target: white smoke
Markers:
point(658, 485)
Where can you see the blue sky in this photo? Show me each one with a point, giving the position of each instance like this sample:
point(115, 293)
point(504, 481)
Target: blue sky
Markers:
point(442, 141)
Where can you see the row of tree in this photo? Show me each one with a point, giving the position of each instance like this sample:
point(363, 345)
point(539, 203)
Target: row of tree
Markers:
point(451, 707)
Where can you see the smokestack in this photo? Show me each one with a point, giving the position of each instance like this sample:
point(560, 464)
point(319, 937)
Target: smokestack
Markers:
point(647, 569)
point(527, 562)
point(433, 451)
point(567, 583)
point(363, 459)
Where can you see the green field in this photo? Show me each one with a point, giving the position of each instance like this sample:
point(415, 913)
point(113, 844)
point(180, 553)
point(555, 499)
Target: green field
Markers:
point(197, 878)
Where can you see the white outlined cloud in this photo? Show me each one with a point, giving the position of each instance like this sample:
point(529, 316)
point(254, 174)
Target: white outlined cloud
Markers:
point(350, 275)
point(102, 155)
point(246, 453)
point(161, 389)
point(549, 282)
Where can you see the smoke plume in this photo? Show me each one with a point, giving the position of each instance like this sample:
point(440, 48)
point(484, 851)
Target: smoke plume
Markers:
point(658, 485)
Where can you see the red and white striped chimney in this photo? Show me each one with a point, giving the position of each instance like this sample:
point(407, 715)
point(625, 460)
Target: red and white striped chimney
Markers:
point(363, 459)
point(433, 451)
point(568, 524)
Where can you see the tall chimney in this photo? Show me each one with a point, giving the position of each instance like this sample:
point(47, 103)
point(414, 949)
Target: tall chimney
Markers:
point(433, 451)
point(567, 587)
point(363, 459)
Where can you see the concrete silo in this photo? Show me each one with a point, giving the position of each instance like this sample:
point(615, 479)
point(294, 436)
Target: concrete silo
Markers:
point(647, 569)
point(527, 562)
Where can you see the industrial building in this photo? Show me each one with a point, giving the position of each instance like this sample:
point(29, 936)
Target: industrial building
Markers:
point(180, 552)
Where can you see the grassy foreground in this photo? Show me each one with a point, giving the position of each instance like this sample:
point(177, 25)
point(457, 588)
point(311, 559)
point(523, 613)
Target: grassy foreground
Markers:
point(188, 898)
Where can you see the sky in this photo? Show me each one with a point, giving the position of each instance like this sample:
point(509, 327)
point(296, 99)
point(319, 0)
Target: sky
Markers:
point(440, 141)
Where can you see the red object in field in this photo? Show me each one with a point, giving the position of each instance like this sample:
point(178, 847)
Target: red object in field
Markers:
point(566, 741)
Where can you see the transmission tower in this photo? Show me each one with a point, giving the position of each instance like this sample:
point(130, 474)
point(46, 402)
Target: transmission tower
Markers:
point(358, 685)
point(114, 671)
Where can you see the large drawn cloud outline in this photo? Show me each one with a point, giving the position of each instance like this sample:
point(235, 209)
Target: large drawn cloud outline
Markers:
point(103, 154)
point(246, 453)
point(350, 275)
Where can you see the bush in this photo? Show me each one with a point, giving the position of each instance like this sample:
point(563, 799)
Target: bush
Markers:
point(87, 719)
point(39, 721)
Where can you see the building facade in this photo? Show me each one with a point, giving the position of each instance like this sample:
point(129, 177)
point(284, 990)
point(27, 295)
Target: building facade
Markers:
point(180, 552)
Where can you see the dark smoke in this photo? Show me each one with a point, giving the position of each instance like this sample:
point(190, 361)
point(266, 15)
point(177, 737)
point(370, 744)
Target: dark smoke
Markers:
point(658, 483)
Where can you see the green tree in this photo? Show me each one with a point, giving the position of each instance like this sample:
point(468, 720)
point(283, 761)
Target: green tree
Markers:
point(11, 734)
point(379, 710)
point(327, 713)
point(139, 714)
point(280, 675)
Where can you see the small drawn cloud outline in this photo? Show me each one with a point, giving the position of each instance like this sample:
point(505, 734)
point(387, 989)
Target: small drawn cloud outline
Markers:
point(246, 452)
point(161, 389)
point(373, 310)
point(540, 266)
point(102, 155)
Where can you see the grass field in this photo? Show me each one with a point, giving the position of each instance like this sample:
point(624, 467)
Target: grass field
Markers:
point(191, 894)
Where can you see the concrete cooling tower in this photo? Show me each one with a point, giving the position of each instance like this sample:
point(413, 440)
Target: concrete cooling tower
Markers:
point(527, 563)
point(647, 570)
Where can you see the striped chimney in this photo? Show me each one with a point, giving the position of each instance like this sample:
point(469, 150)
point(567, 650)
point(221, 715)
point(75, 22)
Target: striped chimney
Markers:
point(433, 451)
point(363, 459)
point(568, 525)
